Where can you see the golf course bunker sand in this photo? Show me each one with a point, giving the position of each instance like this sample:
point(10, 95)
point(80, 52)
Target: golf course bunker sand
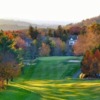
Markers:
point(73, 60)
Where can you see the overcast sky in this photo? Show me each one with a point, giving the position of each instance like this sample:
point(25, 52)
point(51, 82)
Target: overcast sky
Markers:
point(49, 10)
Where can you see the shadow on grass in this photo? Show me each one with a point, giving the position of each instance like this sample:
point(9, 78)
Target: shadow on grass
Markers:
point(68, 89)
point(63, 90)
point(16, 93)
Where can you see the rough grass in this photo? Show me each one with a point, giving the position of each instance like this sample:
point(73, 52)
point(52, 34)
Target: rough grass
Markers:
point(50, 79)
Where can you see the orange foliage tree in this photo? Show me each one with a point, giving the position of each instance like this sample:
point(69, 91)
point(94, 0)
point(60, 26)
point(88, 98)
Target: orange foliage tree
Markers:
point(44, 50)
point(91, 64)
point(87, 41)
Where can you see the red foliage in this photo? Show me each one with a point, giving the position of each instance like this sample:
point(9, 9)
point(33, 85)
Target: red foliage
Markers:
point(9, 34)
point(91, 63)
point(75, 30)
point(97, 54)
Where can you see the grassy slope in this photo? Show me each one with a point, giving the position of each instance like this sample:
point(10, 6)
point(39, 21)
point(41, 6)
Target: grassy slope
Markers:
point(48, 80)
point(52, 68)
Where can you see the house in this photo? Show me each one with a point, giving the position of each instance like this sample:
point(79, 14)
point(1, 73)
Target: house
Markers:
point(72, 40)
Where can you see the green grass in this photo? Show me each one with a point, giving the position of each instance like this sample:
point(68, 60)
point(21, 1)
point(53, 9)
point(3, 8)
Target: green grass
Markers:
point(18, 93)
point(63, 89)
point(50, 79)
point(53, 68)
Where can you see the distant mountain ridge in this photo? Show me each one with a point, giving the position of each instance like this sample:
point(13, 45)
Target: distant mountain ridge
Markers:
point(13, 25)
point(20, 25)
point(86, 22)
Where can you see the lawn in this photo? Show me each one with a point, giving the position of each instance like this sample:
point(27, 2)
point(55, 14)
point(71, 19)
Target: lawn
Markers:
point(50, 78)
point(53, 68)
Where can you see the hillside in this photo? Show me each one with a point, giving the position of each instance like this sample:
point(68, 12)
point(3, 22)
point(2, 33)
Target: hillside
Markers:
point(20, 25)
point(85, 22)
point(13, 25)
point(89, 21)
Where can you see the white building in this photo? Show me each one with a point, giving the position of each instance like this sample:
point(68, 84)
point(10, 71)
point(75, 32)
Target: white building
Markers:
point(72, 41)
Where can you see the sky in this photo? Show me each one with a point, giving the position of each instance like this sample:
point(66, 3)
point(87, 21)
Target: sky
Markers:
point(49, 10)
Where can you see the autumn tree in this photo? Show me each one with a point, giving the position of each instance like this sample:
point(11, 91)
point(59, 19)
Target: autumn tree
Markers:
point(91, 64)
point(75, 30)
point(61, 44)
point(44, 50)
point(87, 41)
point(9, 63)
point(57, 46)
point(20, 43)
point(95, 28)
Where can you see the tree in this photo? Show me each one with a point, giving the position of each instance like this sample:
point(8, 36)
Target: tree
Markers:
point(52, 45)
point(50, 33)
point(75, 30)
point(61, 33)
point(87, 41)
point(44, 50)
point(20, 43)
point(9, 65)
point(95, 28)
point(33, 32)
point(64, 36)
point(57, 47)
point(91, 64)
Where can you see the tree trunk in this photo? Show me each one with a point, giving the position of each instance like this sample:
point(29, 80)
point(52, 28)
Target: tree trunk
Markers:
point(7, 80)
